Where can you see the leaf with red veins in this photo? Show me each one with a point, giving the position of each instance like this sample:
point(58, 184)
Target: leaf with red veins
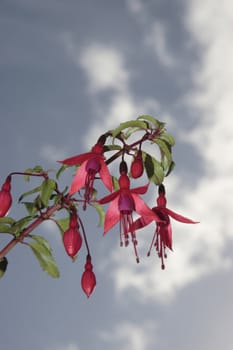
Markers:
point(79, 159)
point(176, 216)
point(112, 215)
point(105, 175)
point(79, 179)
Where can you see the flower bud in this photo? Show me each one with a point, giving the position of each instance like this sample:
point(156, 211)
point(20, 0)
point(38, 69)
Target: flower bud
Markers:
point(72, 238)
point(5, 197)
point(137, 167)
point(88, 280)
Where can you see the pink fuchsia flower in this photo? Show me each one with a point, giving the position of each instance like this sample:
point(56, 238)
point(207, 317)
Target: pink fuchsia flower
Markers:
point(88, 281)
point(5, 197)
point(124, 202)
point(162, 237)
point(91, 163)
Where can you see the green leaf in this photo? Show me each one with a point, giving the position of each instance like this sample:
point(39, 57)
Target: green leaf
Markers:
point(3, 266)
point(34, 190)
point(31, 208)
point(101, 213)
point(112, 148)
point(169, 139)
point(63, 224)
point(157, 124)
point(165, 152)
point(7, 220)
point(172, 166)
point(20, 225)
point(4, 228)
point(38, 169)
point(130, 124)
point(150, 119)
point(43, 253)
point(61, 170)
point(47, 189)
point(153, 168)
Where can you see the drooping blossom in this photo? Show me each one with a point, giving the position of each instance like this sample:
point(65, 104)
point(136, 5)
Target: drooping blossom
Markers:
point(5, 197)
point(72, 238)
point(137, 167)
point(91, 163)
point(162, 237)
point(88, 280)
point(124, 202)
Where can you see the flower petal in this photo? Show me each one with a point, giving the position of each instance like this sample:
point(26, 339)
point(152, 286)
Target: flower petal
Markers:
point(105, 175)
point(79, 179)
point(109, 197)
point(139, 190)
point(177, 217)
point(142, 209)
point(112, 215)
point(79, 159)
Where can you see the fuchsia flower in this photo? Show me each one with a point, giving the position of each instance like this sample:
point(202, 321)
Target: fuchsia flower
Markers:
point(124, 202)
point(162, 237)
point(90, 163)
point(5, 197)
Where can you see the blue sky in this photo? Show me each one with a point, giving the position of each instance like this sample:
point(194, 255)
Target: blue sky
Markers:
point(73, 69)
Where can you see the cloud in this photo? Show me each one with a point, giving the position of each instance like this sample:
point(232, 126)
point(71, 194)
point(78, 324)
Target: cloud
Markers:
point(157, 40)
point(104, 68)
point(129, 335)
point(51, 153)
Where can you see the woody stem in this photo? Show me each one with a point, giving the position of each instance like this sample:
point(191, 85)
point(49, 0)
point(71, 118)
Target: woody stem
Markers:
point(29, 229)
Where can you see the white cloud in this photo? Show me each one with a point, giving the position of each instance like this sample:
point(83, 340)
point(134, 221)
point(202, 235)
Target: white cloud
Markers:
point(157, 40)
point(135, 6)
point(128, 335)
point(51, 153)
point(104, 68)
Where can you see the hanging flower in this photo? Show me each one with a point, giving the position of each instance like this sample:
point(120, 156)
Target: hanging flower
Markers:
point(162, 237)
point(72, 238)
point(137, 167)
point(124, 202)
point(91, 163)
point(88, 280)
point(5, 197)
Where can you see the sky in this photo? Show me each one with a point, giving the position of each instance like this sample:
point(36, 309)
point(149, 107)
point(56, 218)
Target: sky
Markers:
point(71, 70)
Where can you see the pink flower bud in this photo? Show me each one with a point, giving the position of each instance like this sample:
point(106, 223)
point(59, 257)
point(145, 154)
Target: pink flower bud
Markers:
point(88, 281)
point(137, 167)
point(5, 197)
point(72, 239)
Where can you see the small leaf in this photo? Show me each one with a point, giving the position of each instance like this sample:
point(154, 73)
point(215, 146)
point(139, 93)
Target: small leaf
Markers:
point(165, 152)
point(31, 208)
point(47, 189)
point(169, 139)
point(4, 228)
point(63, 224)
point(172, 166)
point(150, 119)
point(111, 148)
point(7, 220)
point(38, 169)
point(43, 253)
point(101, 213)
point(19, 225)
point(61, 170)
point(34, 190)
point(153, 168)
point(3, 266)
point(132, 123)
